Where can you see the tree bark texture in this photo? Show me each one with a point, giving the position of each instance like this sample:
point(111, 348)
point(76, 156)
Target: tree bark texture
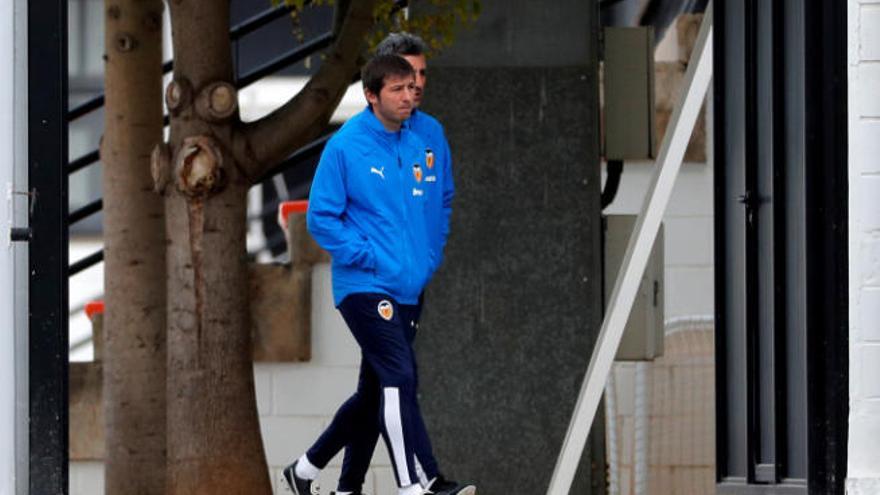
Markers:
point(305, 116)
point(134, 251)
point(210, 162)
point(214, 442)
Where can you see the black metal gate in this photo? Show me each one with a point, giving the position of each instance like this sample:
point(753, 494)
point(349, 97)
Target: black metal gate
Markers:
point(781, 247)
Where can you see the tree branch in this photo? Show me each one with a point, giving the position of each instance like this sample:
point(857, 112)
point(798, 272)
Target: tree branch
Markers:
point(339, 15)
point(267, 141)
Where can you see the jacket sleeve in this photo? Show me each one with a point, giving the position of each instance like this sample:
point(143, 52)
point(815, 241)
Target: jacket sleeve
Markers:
point(448, 194)
point(325, 219)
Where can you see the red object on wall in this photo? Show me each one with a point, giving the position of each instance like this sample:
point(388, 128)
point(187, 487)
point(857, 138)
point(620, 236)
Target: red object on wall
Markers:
point(288, 207)
point(94, 308)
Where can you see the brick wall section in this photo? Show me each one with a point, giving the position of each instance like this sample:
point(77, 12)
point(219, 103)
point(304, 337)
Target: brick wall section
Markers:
point(863, 474)
point(680, 408)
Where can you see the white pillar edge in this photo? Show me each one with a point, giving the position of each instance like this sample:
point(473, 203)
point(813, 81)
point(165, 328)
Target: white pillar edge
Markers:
point(7, 329)
point(14, 401)
point(696, 85)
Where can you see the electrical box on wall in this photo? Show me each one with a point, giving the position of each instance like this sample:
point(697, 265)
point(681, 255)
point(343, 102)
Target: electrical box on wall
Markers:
point(643, 335)
point(629, 93)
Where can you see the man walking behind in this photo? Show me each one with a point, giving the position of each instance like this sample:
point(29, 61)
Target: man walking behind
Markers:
point(367, 208)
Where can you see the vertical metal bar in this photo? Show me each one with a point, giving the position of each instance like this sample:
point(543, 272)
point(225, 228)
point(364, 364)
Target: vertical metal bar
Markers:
point(22, 268)
point(795, 375)
point(47, 154)
point(827, 243)
point(697, 78)
point(750, 201)
point(780, 243)
point(720, 105)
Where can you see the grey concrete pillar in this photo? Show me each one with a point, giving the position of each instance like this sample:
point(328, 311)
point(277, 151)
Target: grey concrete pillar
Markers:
point(512, 316)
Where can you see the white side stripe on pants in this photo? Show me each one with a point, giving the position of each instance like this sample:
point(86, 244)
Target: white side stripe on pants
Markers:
point(420, 472)
point(394, 426)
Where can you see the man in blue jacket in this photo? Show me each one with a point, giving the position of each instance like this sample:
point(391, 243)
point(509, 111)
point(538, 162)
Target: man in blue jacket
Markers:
point(367, 209)
point(440, 191)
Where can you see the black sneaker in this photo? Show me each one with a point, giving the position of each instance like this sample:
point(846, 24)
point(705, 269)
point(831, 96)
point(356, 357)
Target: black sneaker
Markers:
point(298, 486)
point(442, 486)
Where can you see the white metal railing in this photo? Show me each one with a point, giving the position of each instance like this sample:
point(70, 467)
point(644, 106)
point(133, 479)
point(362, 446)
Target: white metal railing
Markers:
point(696, 84)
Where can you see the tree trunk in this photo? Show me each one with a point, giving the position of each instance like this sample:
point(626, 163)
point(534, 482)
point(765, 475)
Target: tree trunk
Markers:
point(134, 255)
point(205, 171)
point(214, 434)
point(214, 443)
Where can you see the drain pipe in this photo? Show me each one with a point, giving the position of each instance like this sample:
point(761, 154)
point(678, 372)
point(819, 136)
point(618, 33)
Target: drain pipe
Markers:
point(614, 170)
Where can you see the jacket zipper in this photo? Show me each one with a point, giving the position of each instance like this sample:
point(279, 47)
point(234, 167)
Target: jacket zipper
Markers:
point(407, 240)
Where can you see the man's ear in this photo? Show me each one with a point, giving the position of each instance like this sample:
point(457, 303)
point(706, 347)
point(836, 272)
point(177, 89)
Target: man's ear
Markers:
point(372, 98)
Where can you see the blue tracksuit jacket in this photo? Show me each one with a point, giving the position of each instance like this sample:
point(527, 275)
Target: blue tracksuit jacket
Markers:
point(367, 209)
point(438, 178)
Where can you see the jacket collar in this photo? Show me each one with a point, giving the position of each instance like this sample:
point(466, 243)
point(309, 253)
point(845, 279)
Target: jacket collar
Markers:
point(374, 125)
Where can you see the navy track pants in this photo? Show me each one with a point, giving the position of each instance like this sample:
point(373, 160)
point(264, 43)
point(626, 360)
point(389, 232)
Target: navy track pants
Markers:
point(385, 400)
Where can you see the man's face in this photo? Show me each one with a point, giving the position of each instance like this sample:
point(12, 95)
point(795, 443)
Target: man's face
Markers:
point(394, 103)
point(419, 65)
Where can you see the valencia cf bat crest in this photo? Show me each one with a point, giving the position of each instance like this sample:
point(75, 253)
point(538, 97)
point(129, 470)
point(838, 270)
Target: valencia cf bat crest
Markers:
point(386, 310)
point(429, 158)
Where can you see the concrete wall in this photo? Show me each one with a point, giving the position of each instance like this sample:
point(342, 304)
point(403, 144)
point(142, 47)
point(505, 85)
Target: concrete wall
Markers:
point(511, 318)
point(863, 474)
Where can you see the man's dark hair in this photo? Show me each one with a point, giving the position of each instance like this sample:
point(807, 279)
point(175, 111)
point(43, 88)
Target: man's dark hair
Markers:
point(381, 66)
point(402, 43)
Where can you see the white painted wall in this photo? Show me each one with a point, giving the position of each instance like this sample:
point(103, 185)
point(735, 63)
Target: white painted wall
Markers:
point(863, 473)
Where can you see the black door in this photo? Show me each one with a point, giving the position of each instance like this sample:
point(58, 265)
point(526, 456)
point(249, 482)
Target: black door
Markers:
point(780, 130)
point(47, 180)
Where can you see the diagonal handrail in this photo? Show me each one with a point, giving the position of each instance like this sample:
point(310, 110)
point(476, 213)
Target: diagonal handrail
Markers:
point(696, 83)
point(291, 57)
point(286, 59)
point(238, 31)
point(87, 262)
point(308, 151)
point(86, 211)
